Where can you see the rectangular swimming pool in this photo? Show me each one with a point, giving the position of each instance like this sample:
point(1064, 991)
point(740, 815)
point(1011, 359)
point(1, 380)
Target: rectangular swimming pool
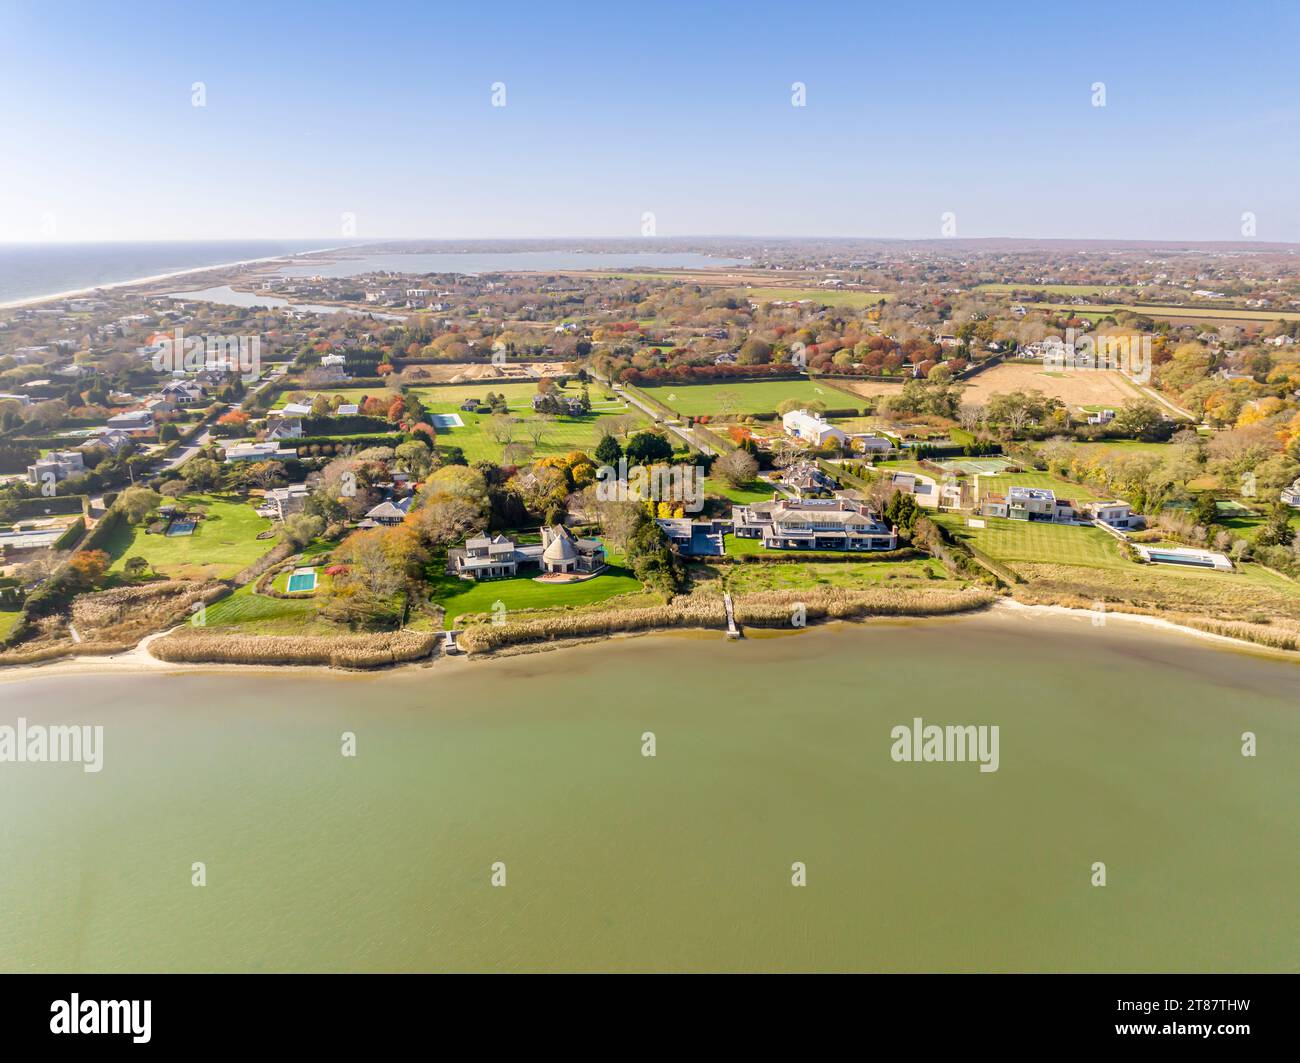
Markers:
point(303, 579)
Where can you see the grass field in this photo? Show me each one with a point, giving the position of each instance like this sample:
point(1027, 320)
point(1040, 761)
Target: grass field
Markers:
point(1207, 312)
point(8, 619)
point(855, 300)
point(460, 597)
point(224, 542)
point(1053, 289)
point(1064, 488)
point(758, 396)
point(1022, 540)
point(747, 495)
point(748, 579)
point(563, 434)
point(244, 607)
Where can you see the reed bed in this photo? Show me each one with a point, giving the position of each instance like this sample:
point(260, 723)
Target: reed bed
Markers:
point(195, 646)
point(775, 608)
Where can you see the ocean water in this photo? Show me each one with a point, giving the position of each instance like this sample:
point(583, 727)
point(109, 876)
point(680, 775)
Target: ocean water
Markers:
point(1117, 745)
point(29, 270)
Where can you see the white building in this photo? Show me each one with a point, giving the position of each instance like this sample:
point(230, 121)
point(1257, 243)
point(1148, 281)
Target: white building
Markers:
point(55, 466)
point(811, 428)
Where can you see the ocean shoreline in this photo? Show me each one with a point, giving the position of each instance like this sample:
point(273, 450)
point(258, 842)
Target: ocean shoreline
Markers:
point(156, 278)
point(138, 660)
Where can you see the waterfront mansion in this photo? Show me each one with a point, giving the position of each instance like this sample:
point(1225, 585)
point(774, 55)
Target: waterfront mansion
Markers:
point(813, 524)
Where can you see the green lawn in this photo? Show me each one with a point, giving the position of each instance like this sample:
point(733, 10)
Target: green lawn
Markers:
point(747, 495)
point(1037, 541)
point(855, 300)
point(460, 597)
point(8, 620)
point(999, 485)
point(245, 607)
point(744, 579)
point(224, 542)
point(758, 396)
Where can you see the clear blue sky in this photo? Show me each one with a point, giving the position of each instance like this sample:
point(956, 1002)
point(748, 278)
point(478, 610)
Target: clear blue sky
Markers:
point(384, 110)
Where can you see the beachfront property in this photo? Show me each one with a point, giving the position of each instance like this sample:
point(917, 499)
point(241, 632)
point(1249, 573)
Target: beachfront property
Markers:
point(812, 428)
point(813, 524)
point(1170, 555)
point(491, 557)
point(55, 466)
point(563, 553)
point(695, 538)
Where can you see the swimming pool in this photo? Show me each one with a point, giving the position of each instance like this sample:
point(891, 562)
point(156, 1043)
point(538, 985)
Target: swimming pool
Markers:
point(181, 527)
point(303, 579)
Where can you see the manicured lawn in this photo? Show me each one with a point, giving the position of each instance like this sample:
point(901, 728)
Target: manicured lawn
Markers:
point(743, 579)
point(563, 434)
point(756, 396)
point(8, 619)
point(825, 296)
point(324, 583)
point(747, 495)
point(459, 597)
point(998, 485)
point(223, 543)
point(245, 607)
point(1037, 541)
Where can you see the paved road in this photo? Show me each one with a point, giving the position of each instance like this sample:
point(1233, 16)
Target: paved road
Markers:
point(188, 451)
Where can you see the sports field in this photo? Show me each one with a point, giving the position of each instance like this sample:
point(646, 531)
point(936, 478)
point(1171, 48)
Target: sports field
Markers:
point(745, 397)
point(1037, 541)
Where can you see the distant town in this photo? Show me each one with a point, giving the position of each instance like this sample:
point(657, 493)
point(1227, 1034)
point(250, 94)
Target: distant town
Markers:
point(367, 470)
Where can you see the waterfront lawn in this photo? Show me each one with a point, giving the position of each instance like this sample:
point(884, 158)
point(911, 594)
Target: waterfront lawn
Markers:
point(244, 608)
point(848, 575)
point(223, 543)
point(745, 397)
point(461, 597)
point(1037, 541)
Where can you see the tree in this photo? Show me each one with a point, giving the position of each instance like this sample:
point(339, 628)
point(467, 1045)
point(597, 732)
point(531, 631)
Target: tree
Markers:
point(608, 451)
point(737, 468)
point(301, 528)
point(648, 448)
point(201, 474)
point(1277, 531)
point(1205, 511)
point(138, 502)
point(1138, 419)
point(135, 567)
point(88, 568)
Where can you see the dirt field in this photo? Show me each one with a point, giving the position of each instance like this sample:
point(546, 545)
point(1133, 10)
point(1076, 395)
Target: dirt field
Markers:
point(1075, 388)
point(470, 372)
point(870, 388)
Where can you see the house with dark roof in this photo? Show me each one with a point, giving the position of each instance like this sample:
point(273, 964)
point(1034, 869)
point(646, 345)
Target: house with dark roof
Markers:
point(563, 553)
point(813, 524)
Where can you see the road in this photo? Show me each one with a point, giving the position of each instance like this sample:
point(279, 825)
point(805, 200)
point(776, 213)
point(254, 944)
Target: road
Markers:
point(684, 434)
point(188, 451)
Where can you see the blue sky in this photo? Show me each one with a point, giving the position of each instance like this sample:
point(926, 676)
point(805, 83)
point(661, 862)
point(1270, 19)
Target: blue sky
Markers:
point(682, 110)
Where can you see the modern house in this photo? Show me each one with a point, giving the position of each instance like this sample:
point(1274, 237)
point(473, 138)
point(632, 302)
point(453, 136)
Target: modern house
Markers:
point(285, 428)
point(695, 538)
point(55, 466)
point(813, 524)
point(812, 429)
point(1031, 503)
point(565, 554)
point(1115, 514)
point(133, 423)
point(267, 451)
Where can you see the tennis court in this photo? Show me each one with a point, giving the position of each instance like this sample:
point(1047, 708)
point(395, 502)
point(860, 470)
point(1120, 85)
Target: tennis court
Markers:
point(303, 579)
point(977, 466)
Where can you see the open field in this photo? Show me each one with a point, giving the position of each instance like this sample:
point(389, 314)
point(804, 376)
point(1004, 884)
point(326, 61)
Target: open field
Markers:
point(998, 485)
point(1076, 388)
point(1206, 312)
point(855, 300)
point(758, 491)
point(563, 434)
point(486, 372)
point(1053, 289)
point(8, 619)
point(460, 597)
point(1023, 540)
point(272, 615)
point(223, 543)
point(850, 575)
point(743, 397)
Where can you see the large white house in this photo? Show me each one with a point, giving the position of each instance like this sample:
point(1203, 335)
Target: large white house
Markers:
point(1291, 495)
point(812, 428)
point(813, 524)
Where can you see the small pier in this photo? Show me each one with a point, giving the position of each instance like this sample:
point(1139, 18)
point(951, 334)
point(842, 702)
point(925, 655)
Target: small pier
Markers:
point(449, 646)
point(733, 632)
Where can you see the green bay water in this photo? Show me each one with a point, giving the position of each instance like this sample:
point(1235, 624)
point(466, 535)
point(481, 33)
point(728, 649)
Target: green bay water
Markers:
point(1117, 744)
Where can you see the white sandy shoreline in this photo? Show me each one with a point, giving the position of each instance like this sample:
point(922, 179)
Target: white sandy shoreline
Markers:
point(138, 660)
point(74, 293)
